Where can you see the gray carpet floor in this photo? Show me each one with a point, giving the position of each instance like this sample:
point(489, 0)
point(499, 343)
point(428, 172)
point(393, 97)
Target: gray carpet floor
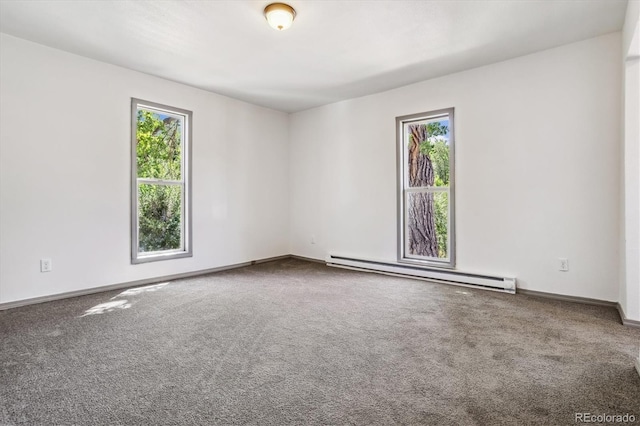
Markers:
point(294, 342)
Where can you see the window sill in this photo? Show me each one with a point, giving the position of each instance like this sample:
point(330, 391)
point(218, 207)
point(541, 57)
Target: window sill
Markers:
point(156, 257)
point(430, 264)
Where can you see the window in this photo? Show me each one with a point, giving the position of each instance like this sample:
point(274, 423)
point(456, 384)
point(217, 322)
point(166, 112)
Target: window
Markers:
point(425, 188)
point(160, 182)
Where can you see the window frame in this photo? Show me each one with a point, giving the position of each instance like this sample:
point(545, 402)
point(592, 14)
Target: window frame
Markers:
point(185, 183)
point(403, 189)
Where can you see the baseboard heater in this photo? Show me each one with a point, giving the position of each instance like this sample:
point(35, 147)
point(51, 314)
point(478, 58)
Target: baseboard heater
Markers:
point(487, 282)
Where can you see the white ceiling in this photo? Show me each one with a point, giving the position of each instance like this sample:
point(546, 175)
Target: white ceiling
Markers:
point(335, 49)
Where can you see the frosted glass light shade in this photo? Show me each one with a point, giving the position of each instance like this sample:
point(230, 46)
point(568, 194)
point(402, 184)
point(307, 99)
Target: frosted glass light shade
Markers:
point(279, 15)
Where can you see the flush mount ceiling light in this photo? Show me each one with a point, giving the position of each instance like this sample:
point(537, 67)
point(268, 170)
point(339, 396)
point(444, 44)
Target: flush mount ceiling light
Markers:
point(279, 15)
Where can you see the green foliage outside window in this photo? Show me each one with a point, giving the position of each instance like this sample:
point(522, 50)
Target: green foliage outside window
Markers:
point(158, 148)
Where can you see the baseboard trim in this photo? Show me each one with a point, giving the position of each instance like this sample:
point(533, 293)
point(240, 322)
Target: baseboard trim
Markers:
point(25, 302)
point(270, 259)
point(628, 322)
point(308, 259)
point(565, 298)
point(584, 300)
point(50, 298)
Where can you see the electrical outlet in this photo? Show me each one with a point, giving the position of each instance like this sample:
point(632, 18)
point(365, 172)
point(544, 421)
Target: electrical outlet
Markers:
point(46, 265)
point(563, 264)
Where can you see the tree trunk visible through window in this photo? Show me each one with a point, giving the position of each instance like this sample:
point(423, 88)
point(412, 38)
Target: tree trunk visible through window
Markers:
point(422, 238)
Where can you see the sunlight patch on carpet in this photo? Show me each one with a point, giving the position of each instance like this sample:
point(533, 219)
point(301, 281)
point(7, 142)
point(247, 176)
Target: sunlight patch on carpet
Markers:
point(107, 307)
point(139, 290)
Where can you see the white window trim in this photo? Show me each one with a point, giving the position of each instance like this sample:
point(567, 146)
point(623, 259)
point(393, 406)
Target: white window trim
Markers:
point(403, 190)
point(185, 183)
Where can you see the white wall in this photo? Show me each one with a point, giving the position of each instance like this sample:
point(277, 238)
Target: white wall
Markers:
point(630, 36)
point(536, 169)
point(629, 296)
point(65, 170)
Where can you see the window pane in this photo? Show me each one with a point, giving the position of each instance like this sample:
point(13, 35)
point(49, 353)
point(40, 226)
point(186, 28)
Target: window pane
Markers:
point(159, 144)
point(159, 217)
point(427, 152)
point(427, 224)
point(441, 211)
